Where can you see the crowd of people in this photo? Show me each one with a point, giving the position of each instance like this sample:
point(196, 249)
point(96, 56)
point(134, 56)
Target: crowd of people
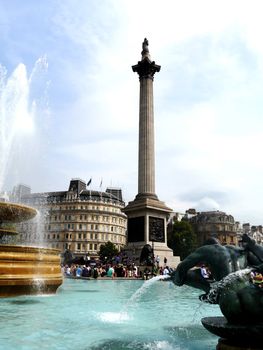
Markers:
point(115, 270)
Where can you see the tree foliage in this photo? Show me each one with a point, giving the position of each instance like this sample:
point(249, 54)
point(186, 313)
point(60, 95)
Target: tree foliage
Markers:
point(182, 239)
point(107, 251)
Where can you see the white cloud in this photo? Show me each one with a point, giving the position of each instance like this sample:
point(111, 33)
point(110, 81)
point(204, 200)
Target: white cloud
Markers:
point(208, 103)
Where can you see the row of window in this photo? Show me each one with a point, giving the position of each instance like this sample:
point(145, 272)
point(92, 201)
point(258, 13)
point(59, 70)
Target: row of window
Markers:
point(80, 236)
point(90, 227)
point(88, 217)
point(83, 247)
point(87, 207)
point(216, 228)
point(86, 247)
point(84, 236)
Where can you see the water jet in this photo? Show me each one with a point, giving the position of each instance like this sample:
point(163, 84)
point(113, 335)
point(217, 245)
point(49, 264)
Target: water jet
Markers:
point(23, 269)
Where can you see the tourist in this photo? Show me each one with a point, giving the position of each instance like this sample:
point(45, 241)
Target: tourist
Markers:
point(85, 271)
point(146, 273)
point(67, 270)
point(166, 270)
point(117, 259)
point(73, 270)
point(102, 271)
point(157, 260)
point(119, 271)
point(204, 272)
point(110, 272)
point(165, 261)
point(95, 272)
point(257, 279)
point(89, 270)
point(78, 271)
point(135, 270)
point(125, 273)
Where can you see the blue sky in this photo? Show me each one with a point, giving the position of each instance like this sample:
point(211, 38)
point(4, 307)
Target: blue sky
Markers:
point(208, 97)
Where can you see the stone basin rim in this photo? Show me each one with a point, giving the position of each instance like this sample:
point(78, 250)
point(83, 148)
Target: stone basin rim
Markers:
point(27, 249)
point(243, 332)
point(15, 212)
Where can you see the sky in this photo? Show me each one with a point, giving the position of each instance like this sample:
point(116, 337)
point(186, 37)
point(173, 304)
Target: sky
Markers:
point(84, 98)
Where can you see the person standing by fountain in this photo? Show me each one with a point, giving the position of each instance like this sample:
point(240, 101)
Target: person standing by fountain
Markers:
point(157, 261)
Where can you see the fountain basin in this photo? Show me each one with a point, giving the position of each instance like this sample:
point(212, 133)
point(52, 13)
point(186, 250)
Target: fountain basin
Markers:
point(13, 212)
point(29, 270)
point(110, 314)
point(25, 269)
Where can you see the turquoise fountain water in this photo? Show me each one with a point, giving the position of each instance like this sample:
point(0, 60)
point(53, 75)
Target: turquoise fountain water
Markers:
point(108, 315)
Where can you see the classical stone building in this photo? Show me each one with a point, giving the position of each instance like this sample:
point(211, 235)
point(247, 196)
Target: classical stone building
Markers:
point(255, 232)
point(214, 224)
point(78, 219)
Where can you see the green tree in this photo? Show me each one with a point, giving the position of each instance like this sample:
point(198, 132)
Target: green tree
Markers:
point(182, 239)
point(107, 251)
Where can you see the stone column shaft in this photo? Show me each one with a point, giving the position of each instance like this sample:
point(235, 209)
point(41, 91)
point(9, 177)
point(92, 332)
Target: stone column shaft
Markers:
point(146, 68)
point(146, 172)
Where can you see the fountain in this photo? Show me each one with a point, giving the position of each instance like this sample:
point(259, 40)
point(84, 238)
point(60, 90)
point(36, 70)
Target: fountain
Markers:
point(23, 269)
point(236, 287)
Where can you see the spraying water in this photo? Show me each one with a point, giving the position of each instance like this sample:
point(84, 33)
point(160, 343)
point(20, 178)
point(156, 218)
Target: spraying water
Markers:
point(229, 281)
point(144, 288)
point(125, 315)
point(18, 106)
point(23, 99)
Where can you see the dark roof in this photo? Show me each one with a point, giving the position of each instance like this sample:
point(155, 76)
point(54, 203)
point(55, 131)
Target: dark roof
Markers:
point(83, 195)
point(212, 217)
point(78, 190)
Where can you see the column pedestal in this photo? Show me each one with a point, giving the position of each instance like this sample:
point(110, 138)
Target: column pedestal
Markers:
point(147, 224)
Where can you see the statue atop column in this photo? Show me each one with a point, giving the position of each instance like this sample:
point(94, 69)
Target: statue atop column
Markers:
point(145, 49)
point(145, 46)
point(146, 68)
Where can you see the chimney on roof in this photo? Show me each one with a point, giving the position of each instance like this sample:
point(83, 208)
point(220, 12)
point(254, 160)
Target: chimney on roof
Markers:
point(77, 185)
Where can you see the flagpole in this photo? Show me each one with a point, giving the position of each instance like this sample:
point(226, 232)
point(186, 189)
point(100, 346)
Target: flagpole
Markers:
point(88, 184)
point(101, 189)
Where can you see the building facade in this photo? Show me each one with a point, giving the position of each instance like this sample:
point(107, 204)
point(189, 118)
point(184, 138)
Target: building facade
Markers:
point(255, 232)
point(215, 224)
point(78, 220)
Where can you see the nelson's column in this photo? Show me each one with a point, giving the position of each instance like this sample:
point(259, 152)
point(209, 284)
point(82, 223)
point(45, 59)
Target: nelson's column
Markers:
point(147, 215)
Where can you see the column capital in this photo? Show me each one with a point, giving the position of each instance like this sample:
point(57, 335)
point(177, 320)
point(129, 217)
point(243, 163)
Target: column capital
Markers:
point(146, 68)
